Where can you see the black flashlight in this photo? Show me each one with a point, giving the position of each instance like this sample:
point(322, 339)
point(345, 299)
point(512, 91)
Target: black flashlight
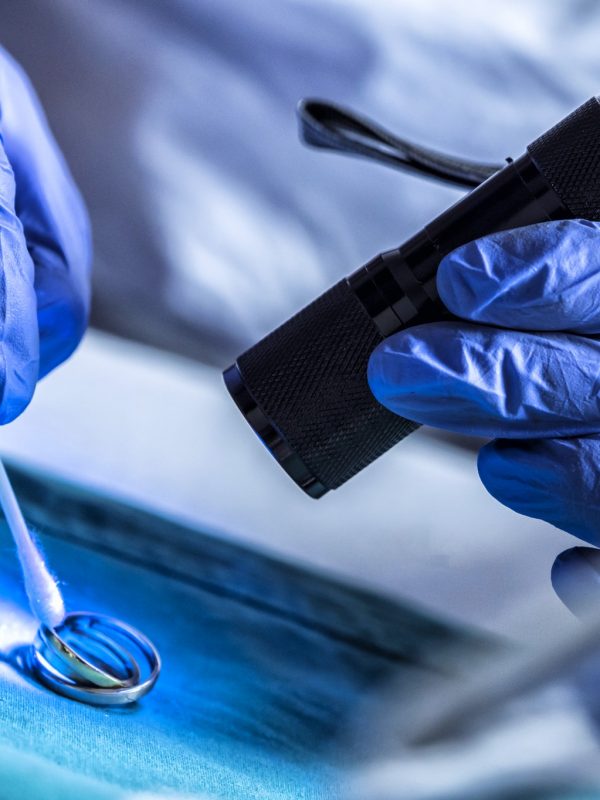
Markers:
point(303, 388)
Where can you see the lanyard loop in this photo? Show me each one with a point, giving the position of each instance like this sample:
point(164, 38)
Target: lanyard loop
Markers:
point(330, 127)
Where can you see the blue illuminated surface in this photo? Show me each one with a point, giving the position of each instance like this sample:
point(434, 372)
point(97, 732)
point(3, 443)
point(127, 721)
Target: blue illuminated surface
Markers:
point(249, 704)
point(218, 718)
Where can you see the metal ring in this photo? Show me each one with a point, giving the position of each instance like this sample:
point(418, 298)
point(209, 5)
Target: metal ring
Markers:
point(64, 659)
point(95, 659)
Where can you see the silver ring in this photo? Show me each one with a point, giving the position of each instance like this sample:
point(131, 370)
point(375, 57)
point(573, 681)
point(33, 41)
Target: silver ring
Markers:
point(95, 659)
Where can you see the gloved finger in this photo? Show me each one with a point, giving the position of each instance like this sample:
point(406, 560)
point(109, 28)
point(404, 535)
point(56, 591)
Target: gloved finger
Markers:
point(556, 480)
point(53, 218)
point(490, 382)
point(542, 277)
point(576, 579)
point(19, 353)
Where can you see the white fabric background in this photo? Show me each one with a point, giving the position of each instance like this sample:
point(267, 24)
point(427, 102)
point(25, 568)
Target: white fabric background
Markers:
point(212, 225)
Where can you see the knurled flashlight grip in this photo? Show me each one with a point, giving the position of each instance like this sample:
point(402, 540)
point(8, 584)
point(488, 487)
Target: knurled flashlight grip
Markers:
point(303, 388)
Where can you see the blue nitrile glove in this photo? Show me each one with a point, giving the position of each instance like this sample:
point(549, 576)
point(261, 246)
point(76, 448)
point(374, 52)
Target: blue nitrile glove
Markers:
point(513, 373)
point(44, 247)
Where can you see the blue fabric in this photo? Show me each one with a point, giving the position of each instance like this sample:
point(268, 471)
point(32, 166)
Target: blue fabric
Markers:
point(511, 371)
point(223, 721)
point(263, 664)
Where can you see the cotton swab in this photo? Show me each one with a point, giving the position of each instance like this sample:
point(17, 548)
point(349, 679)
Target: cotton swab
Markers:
point(69, 654)
point(45, 599)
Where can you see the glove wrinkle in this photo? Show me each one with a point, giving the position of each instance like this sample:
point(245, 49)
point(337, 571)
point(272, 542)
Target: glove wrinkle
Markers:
point(18, 328)
point(544, 277)
point(551, 479)
point(44, 247)
point(490, 382)
point(53, 218)
point(518, 370)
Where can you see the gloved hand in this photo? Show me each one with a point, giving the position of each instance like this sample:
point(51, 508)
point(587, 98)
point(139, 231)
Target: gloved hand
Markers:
point(524, 371)
point(44, 247)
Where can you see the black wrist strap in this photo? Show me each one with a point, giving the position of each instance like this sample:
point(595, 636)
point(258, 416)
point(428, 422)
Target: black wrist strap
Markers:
point(331, 127)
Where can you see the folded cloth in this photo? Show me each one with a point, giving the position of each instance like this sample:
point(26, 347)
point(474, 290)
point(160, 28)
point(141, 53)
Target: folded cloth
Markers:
point(212, 222)
point(263, 663)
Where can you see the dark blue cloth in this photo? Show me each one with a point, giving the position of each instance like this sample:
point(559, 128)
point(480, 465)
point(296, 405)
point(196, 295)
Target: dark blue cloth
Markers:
point(263, 664)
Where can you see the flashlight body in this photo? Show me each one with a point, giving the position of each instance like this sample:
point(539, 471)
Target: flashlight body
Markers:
point(303, 388)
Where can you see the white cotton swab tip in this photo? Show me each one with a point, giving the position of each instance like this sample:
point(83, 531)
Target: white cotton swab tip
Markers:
point(45, 599)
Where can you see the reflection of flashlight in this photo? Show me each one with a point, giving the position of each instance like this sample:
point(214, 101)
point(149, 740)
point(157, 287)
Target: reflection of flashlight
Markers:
point(303, 388)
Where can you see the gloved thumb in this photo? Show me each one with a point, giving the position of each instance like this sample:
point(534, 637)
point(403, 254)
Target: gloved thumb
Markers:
point(576, 579)
point(19, 339)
